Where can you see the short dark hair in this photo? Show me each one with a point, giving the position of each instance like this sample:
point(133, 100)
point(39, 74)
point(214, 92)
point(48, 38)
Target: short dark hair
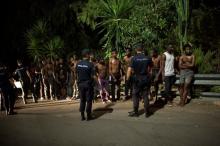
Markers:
point(170, 46)
point(186, 45)
point(155, 50)
point(128, 49)
point(114, 50)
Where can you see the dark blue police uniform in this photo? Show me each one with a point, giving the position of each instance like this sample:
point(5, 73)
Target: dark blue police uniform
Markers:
point(85, 71)
point(7, 92)
point(141, 80)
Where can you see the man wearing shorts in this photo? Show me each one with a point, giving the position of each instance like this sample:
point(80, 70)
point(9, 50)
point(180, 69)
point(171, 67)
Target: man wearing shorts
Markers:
point(186, 65)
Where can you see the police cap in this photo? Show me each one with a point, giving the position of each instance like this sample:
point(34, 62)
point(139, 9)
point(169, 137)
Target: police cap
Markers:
point(138, 47)
point(85, 52)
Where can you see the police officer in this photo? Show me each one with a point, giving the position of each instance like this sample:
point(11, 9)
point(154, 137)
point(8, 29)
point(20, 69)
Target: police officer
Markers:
point(25, 79)
point(140, 67)
point(85, 71)
point(7, 90)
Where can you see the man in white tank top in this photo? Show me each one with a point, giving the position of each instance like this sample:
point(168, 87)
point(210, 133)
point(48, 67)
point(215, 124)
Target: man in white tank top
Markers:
point(167, 67)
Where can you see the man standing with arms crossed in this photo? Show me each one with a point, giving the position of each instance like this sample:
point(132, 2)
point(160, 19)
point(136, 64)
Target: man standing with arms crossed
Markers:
point(186, 65)
point(85, 79)
point(140, 67)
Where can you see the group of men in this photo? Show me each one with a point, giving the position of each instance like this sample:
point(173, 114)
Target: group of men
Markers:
point(141, 70)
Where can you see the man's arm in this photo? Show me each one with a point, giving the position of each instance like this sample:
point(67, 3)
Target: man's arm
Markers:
point(181, 65)
point(163, 59)
point(93, 73)
point(29, 75)
point(192, 64)
point(160, 71)
point(110, 66)
point(120, 68)
point(129, 72)
point(187, 65)
point(150, 66)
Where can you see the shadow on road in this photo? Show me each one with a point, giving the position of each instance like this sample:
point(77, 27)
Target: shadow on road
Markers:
point(44, 104)
point(157, 105)
point(98, 112)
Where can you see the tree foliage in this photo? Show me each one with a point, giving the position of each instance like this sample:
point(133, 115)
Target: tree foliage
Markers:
point(152, 23)
point(127, 22)
point(110, 24)
point(36, 37)
point(182, 8)
point(41, 44)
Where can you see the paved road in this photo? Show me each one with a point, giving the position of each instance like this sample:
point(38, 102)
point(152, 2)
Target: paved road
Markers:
point(58, 124)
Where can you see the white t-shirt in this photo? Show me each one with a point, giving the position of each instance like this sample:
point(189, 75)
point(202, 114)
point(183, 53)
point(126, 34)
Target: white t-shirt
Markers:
point(169, 64)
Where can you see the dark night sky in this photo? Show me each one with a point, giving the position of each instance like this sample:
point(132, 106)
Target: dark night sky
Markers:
point(17, 18)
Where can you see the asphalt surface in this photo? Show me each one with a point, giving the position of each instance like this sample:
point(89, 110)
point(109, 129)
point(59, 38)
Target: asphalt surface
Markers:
point(58, 123)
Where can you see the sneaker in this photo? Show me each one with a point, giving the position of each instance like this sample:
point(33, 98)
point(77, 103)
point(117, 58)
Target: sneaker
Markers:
point(68, 98)
point(148, 114)
point(133, 114)
point(25, 102)
point(170, 103)
point(89, 117)
point(77, 98)
point(83, 117)
point(11, 113)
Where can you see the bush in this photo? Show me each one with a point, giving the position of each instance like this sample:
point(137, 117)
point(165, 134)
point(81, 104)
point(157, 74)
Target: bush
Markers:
point(215, 89)
point(204, 61)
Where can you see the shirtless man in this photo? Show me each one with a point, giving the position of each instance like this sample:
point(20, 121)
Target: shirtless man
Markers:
point(61, 78)
point(115, 74)
point(102, 80)
point(156, 72)
point(186, 65)
point(127, 63)
point(49, 80)
point(74, 61)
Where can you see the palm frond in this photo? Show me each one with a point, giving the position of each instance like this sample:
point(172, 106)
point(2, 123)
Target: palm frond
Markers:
point(53, 48)
point(35, 39)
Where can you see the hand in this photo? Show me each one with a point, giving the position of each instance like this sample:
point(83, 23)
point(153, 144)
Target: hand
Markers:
point(156, 79)
point(163, 78)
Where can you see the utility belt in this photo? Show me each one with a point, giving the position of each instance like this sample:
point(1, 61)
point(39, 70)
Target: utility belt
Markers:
point(141, 81)
point(86, 82)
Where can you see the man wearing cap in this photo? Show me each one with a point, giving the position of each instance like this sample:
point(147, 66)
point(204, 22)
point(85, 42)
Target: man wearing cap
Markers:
point(85, 77)
point(140, 67)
